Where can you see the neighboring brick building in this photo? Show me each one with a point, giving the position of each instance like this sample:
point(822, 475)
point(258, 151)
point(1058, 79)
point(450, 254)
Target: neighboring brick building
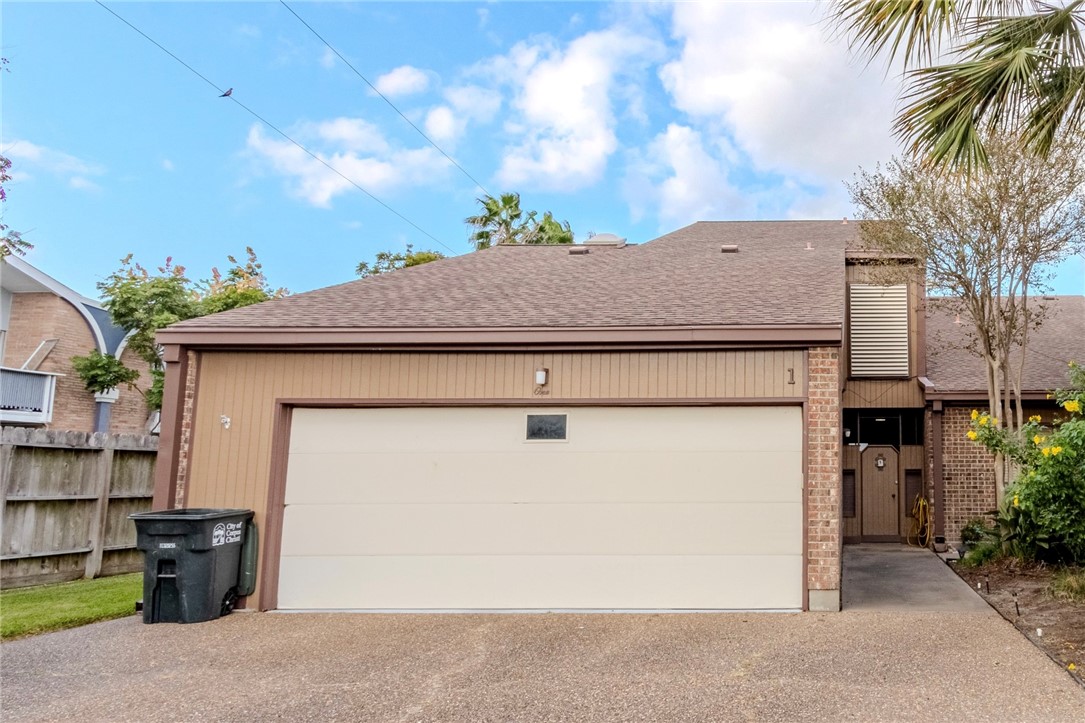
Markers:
point(43, 324)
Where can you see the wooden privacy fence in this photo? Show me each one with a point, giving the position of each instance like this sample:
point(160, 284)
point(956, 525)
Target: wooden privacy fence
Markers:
point(65, 498)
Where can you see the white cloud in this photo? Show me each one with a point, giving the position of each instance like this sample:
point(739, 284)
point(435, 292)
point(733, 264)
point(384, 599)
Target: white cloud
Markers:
point(80, 183)
point(448, 122)
point(249, 31)
point(564, 103)
point(474, 101)
point(354, 134)
point(29, 159)
point(327, 58)
point(404, 80)
point(792, 100)
point(355, 149)
point(678, 180)
point(167, 164)
point(442, 125)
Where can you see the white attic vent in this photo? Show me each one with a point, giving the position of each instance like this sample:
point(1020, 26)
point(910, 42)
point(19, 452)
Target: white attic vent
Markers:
point(878, 330)
point(606, 239)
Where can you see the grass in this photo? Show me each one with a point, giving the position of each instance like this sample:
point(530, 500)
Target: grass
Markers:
point(33, 610)
point(1069, 584)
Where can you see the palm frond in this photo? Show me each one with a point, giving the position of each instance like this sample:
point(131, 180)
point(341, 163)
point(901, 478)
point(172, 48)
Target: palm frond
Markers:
point(910, 30)
point(1024, 74)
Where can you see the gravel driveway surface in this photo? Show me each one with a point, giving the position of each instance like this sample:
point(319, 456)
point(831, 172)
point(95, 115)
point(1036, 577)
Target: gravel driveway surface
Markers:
point(628, 667)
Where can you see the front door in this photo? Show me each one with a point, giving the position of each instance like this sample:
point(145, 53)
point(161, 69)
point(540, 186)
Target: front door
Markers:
point(881, 516)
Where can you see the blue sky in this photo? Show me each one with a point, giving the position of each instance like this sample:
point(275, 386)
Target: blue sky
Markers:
point(630, 118)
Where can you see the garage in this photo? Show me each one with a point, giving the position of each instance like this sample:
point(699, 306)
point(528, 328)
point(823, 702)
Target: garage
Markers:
point(543, 508)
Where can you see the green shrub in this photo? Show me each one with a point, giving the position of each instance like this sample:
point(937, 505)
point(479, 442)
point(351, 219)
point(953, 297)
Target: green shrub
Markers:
point(975, 530)
point(982, 553)
point(1043, 515)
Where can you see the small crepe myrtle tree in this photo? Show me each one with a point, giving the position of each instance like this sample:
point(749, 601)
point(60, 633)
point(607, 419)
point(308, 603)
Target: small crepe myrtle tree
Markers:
point(142, 302)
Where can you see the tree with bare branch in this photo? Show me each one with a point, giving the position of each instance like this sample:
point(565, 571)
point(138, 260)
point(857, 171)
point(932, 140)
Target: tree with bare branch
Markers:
point(987, 240)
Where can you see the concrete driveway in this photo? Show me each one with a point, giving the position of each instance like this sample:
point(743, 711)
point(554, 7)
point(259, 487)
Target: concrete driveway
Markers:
point(678, 667)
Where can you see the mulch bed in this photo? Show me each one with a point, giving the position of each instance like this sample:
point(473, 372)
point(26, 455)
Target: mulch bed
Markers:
point(1021, 593)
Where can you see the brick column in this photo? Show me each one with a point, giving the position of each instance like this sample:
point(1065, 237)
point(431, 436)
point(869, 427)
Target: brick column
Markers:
point(823, 524)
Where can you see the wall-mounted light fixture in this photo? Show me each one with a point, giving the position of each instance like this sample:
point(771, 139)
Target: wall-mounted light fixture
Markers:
point(879, 462)
point(225, 421)
point(541, 376)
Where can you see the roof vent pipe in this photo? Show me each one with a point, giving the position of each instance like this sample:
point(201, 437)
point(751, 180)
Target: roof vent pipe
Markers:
point(729, 248)
point(809, 246)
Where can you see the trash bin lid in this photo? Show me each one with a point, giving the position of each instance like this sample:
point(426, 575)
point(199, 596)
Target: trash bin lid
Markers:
point(192, 513)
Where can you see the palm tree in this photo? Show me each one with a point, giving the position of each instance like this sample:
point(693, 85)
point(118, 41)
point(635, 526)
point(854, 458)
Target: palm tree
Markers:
point(1015, 66)
point(549, 231)
point(501, 221)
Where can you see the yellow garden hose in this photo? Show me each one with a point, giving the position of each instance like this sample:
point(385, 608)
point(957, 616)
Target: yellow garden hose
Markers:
point(921, 522)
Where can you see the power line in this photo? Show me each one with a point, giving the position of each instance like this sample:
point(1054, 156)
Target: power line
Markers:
point(384, 98)
point(275, 128)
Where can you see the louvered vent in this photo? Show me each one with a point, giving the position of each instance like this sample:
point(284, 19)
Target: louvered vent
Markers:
point(879, 330)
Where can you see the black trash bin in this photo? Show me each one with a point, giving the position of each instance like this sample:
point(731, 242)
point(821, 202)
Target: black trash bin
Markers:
point(191, 560)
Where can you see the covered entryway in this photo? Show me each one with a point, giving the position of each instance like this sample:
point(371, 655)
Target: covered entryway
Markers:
point(543, 508)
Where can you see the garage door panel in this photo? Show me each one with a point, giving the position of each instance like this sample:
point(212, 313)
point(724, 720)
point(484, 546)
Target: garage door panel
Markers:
point(451, 583)
point(449, 508)
point(635, 476)
point(490, 429)
point(596, 529)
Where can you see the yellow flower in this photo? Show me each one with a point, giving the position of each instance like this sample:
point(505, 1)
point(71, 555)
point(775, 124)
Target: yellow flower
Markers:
point(972, 434)
point(1037, 439)
point(1046, 451)
point(1015, 501)
point(1056, 450)
point(1035, 419)
point(994, 421)
point(983, 421)
point(974, 415)
point(1071, 666)
point(1072, 406)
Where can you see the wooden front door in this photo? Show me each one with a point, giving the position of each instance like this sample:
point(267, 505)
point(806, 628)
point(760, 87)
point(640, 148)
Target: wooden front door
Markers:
point(881, 516)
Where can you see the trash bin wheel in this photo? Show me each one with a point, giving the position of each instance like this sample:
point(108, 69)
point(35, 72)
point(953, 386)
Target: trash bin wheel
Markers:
point(228, 601)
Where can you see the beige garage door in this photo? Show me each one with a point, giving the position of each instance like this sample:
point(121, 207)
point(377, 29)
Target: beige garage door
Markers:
point(517, 508)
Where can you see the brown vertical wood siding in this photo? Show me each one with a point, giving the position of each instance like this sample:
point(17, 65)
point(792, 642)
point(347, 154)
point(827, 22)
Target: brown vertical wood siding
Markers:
point(882, 393)
point(231, 467)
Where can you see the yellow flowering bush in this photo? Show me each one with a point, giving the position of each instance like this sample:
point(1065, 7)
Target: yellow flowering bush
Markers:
point(1044, 516)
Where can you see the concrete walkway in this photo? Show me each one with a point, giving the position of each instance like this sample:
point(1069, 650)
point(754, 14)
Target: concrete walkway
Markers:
point(891, 577)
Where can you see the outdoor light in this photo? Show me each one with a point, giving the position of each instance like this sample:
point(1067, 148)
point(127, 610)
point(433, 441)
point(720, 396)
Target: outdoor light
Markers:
point(879, 462)
point(540, 376)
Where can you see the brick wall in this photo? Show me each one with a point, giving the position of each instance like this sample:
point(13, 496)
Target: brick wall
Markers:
point(130, 410)
point(967, 471)
point(40, 316)
point(823, 481)
point(187, 419)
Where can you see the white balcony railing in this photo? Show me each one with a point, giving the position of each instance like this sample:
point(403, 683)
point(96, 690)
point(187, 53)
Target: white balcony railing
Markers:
point(26, 397)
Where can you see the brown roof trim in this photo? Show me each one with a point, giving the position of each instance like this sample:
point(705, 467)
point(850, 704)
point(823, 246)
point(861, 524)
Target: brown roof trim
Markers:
point(795, 335)
point(980, 395)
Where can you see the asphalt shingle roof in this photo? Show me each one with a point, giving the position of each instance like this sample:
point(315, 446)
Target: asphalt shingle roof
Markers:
point(680, 279)
point(1059, 340)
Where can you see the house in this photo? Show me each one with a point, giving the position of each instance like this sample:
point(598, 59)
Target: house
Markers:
point(43, 324)
point(603, 426)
